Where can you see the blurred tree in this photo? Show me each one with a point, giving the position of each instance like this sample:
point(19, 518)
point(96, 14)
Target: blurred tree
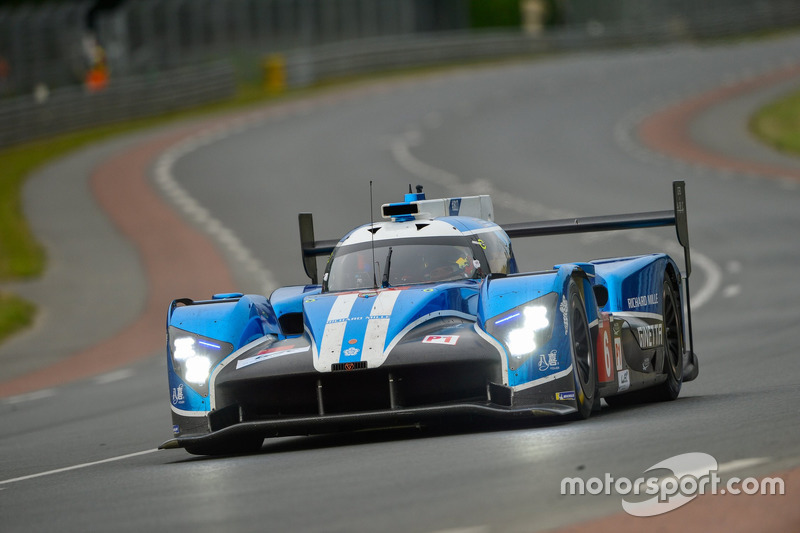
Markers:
point(495, 13)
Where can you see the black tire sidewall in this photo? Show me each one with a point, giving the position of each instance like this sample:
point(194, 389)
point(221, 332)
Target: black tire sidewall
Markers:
point(672, 387)
point(586, 391)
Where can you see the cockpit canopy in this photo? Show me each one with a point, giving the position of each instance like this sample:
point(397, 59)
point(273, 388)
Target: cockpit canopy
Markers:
point(360, 263)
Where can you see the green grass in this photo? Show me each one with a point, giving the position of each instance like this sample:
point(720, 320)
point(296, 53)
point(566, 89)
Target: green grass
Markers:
point(15, 314)
point(778, 123)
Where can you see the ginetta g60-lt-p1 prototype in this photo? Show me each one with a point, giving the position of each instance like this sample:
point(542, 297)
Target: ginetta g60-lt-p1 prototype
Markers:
point(425, 315)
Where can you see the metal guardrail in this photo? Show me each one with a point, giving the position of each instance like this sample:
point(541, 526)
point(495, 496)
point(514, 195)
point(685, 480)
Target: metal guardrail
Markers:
point(311, 65)
point(69, 109)
point(73, 108)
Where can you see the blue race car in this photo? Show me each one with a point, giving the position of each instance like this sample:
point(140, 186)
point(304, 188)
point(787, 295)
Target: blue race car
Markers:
point(425, 315)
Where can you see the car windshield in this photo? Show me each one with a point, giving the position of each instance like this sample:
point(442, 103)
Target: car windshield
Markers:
point(409, 262)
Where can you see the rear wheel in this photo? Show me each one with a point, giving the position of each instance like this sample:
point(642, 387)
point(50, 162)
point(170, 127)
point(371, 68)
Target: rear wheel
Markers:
point(673, 357)
point(673, 347)
point(582, 353)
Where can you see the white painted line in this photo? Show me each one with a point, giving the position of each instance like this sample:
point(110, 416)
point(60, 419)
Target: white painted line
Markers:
point(473, 529)
point(77, 467)
point(30, 396)
point(111, 377)
point(741, 464)
point(191, 208)
point(731, 291)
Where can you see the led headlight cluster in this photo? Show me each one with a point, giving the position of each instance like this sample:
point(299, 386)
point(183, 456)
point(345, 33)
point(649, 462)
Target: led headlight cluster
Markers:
point(194, 356)
point(526, 328)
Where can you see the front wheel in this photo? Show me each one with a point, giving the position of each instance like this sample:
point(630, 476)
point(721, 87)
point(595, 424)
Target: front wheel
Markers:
point(584, 370)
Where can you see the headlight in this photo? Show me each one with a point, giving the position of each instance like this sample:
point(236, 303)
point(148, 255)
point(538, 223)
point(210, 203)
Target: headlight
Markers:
point(526, 328)
point(194, 356)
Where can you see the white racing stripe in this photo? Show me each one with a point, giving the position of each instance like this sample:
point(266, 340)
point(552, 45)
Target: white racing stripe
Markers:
point(378, 328)
point(330, 349)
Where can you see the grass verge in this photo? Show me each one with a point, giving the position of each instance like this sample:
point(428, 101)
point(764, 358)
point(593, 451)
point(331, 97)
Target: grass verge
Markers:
point(778, 123)
point(15, 314)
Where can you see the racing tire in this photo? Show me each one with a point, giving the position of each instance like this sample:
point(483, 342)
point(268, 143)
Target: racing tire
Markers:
point(581, 346)
point(669, 389)
point(241, 446)
point(673, 348)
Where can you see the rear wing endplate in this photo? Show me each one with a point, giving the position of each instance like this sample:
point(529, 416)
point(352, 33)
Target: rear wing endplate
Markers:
point(311, 248)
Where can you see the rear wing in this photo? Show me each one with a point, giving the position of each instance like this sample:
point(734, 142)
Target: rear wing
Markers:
point(312, 248)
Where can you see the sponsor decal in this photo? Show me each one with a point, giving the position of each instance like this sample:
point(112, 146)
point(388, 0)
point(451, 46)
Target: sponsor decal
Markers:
point(351, 352)
point(345, 320)
point(176, 429)
point(623, 380)
point(549, 361)
point(618, 350)
point(642, 301)
point(455, 206)
point(352, 341)
point(177, 395)
point(543, 363)
point(564, 308)
point(272, 353)
point(355, 365)
point(646, 364)
point(605, 360)
point(567, 395)
point(650, 336)
point(449, 340)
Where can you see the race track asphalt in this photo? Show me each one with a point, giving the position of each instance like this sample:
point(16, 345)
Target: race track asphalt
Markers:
point(554, 137)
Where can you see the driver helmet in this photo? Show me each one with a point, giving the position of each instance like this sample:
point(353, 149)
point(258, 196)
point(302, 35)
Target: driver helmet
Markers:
point(453, 264)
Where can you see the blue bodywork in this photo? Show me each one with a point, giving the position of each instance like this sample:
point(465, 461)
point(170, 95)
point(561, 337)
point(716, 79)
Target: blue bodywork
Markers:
point(497, 344)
